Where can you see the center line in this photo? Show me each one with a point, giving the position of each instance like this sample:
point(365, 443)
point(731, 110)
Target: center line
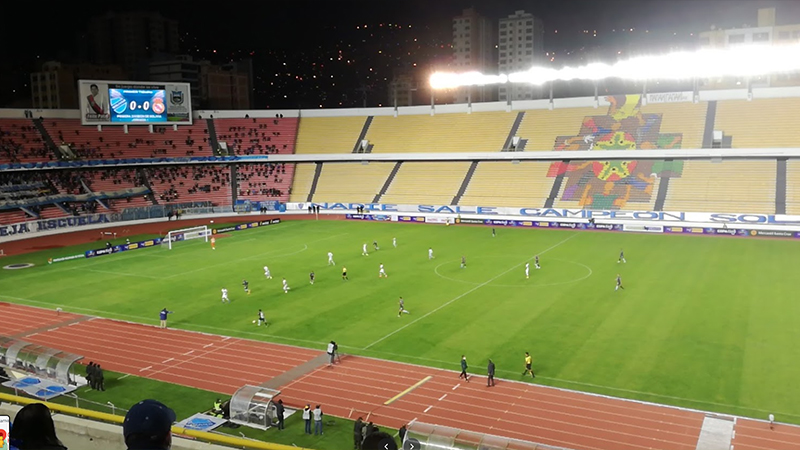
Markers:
point(464, 294)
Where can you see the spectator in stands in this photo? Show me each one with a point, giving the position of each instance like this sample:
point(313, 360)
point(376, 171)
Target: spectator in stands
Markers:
point(34, 429)
point(280, 411)
point(148, 426)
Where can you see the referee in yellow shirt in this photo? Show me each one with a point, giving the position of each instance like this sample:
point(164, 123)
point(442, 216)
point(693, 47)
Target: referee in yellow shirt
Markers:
point(528, 365)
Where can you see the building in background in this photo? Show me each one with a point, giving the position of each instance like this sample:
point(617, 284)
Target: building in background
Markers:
point(474, 49)
point(55, 86)
point(403, 89)
point(766, 32)
point(130, 40)
point(227, 86)
point(521, 45)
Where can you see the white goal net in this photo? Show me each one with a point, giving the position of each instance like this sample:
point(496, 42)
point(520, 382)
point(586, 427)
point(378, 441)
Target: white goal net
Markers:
point(186, 234)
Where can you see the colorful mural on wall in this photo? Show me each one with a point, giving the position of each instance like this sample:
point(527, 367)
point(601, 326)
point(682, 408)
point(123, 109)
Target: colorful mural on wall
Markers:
point(613, 184)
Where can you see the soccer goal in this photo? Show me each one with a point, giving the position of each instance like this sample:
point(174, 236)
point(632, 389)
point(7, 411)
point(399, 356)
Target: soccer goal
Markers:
point(202, 232)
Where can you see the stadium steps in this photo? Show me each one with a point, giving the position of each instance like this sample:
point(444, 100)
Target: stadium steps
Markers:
point(711, 118)
point(212, 138)
point(557, 182)
point(512, 132)
point(315, 181)
point(364, 130)
point(708, 140)
point(388, 182)
point(663, 187)
point(465, 183)
point(780, 186)
point(146, 181)
point(47, 139)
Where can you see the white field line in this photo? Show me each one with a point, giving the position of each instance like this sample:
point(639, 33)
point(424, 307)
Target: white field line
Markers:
point(464, 294)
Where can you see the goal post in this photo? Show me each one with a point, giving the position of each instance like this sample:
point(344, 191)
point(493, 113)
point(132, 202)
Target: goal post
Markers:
point(185, 234)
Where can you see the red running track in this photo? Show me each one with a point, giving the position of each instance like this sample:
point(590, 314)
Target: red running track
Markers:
point(360, 386)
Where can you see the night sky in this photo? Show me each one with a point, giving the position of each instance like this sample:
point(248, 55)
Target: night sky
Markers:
point(311, 53)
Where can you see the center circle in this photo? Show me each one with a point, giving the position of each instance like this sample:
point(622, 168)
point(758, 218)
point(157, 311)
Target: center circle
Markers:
point(569, 271)
point(18, 266)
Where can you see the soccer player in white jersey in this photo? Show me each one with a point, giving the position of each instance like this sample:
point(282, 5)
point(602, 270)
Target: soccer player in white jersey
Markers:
point(267, 273)
point(382, 273)
point(261, 318)
point(394, 242)
point(285, 286)
point(527, 270)
point(364, 250)
point(331, 262)
point(430, 253)
point(225, 298)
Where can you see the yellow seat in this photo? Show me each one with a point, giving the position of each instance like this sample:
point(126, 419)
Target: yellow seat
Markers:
point(427, 183)
point(328, 134)
point(351, 182)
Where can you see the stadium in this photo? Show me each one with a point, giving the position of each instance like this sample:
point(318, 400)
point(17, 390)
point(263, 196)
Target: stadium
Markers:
point(639, 247)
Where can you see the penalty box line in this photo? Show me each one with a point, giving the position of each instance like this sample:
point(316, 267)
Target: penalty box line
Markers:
point(464, 294)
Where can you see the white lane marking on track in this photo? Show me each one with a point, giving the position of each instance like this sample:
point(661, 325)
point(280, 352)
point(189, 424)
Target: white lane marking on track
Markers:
point(465, 294)
point(146, 368)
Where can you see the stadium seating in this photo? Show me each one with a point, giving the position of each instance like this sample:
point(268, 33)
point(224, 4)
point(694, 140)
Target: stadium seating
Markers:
point(687, 119)
point(728, 186)
point(541, 127)
point(303, 178)
point(113, 143)
point(442, 133)
point(260, 182)
point(760, 123)
point(793, 186)
point(257, 136)
point(329, 134)
point(191, 184)
point(111, 180)
point(21, 142)
point(497, 183)
point(426, 183)
point(351, 182)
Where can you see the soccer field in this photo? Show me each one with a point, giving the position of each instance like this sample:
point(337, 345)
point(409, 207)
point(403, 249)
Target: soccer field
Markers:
point(707, 323)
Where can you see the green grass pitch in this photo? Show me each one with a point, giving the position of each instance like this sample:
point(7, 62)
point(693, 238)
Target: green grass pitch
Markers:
point(707, 323)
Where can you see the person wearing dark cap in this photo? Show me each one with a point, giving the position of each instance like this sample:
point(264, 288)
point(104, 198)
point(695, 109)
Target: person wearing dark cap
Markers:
point(148, 426)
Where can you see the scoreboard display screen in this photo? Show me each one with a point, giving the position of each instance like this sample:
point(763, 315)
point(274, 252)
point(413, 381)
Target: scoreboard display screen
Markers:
point(137, 105)
point(122, 103)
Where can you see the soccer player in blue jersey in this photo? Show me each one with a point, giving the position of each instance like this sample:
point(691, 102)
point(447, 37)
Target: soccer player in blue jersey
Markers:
point(621, 257)
point(246, 286)
point(619, 283)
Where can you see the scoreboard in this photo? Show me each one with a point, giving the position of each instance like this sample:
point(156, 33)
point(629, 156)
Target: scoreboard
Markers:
point(126, 102)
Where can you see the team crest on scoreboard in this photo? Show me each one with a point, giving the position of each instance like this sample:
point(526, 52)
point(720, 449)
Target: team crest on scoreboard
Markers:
point(176, 97)
point(611, 185)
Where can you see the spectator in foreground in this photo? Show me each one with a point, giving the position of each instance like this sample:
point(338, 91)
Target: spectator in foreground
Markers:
point(379, 440)
point(358, 434)
point(148, 426)
point(34, 429)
